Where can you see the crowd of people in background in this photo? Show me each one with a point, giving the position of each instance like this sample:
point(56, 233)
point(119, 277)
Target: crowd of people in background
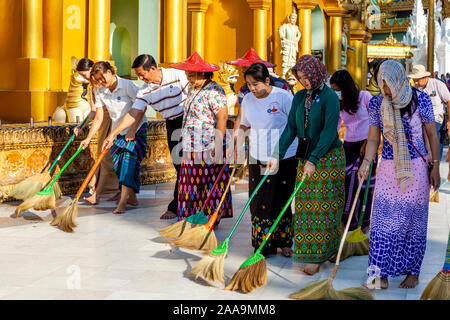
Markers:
point(408, 120)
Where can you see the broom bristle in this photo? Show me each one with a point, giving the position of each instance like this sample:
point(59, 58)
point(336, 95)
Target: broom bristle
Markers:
point(434, 195)
point(66, 219)
point(30, 186)
point(37, 202)
point(315, 291)
point(354, 293)
point(197, 239)
point(57, 190)
point(176, 229)
point(250, 277)
point(438, 288)
point(210, 267)
point(351, 249)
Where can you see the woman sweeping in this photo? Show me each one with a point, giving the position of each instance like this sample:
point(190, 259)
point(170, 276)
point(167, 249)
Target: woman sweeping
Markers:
point(104, 179)
point(319, 204)
point(355, 116)
point(398, 226)
point(265, 112)
point(128, 145)
point(203, 131)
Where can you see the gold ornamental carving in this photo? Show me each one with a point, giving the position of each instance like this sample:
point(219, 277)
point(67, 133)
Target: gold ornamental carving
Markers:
point(25, 151)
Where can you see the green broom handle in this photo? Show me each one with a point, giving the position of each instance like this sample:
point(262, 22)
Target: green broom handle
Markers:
point(287, 205)
point(64, 168)
point(65, 147)
point(366, 193)
point(246, 205)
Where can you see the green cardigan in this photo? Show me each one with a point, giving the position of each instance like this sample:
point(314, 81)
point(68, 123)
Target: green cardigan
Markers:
point(322, 127)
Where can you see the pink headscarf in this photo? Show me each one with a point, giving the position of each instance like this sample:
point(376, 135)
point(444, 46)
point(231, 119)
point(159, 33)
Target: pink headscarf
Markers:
point(314, 70)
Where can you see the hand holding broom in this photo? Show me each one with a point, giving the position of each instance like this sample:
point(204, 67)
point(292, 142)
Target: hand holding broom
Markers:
point(203, 237)
point(66, 220)
point(45, 199)
point(36, 183)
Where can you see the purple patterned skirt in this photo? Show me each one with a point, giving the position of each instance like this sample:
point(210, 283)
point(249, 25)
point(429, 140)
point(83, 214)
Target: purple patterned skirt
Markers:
point(196, 180)
point(398, 225)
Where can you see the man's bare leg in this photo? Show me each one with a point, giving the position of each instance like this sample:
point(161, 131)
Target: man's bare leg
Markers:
point(121, 207)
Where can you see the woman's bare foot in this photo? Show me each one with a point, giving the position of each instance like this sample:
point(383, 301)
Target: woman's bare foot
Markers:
point(114, 197)
point(382, 284)
point(287, 252)
point(410, 281)
point(311, 268)
point(121, 208)
point(92, 200)
point(168, 215)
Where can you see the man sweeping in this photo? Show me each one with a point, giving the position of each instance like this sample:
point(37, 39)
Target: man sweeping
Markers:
point(165, 91)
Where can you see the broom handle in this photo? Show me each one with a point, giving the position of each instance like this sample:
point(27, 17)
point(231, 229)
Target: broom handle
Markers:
point(65, 147)
point(366, 193)
point(246, 205)
point(341, 245)
point(64, 168)
point(287, 205)
point(212, 220)
point(213, 187)
point(90, 174)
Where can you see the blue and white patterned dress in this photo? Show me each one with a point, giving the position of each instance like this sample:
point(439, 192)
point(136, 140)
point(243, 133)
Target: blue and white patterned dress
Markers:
point(398, 226)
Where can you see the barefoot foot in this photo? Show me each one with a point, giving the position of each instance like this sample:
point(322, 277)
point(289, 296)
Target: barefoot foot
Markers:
point(121, 208)
point(379, 283)
point(168, 215)
point(410, 281)
point(311, 268)
point(92, 200)
point(287, 252)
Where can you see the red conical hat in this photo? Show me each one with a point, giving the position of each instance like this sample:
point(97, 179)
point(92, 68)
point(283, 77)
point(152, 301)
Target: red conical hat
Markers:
point(195, 63)
point(250, 57)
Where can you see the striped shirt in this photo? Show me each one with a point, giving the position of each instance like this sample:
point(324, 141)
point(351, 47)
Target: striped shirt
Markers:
point(166, 98)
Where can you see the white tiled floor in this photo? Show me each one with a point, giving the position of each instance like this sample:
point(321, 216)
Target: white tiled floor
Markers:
point(123, 257)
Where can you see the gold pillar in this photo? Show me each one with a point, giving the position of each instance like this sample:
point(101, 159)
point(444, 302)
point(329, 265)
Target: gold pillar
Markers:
point(260, 9)
point(430, 51)
point(354, 60)
point(173, 31)
point(335, 38)
point(198, 9)
point(99, 20)
point(365, 69)
point(32, 30)
point(304, 19)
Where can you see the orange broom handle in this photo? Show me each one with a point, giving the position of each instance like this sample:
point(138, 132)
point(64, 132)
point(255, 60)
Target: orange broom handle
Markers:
point(90, 174)
point(213, 218)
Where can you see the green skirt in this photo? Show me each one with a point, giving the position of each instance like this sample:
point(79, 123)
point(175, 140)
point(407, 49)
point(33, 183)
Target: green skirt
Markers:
point(318, 209)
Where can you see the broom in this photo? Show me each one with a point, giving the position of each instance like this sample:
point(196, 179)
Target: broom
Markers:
point(439, 287)
point(253, 272)
point(46, 198)
point(211, 266)
point(434, 194)
point(323, 290)
point(66, 220)
point(30, 186)
point(357, 243)
point(203, 237)
point(178, 228)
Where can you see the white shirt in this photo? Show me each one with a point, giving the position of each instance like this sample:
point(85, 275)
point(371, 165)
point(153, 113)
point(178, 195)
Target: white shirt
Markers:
point(267, 118)
point(166, 98)
point(439, 94)
point(118, 102)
